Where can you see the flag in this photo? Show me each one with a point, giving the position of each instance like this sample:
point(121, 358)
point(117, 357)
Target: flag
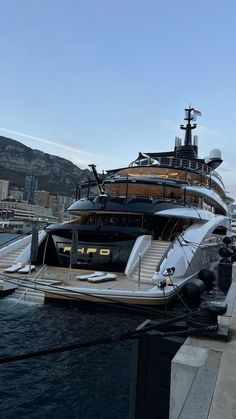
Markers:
point(197, 113)
point(74, 248)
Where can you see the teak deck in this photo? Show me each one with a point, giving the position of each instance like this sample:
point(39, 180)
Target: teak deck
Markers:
point(68, 278)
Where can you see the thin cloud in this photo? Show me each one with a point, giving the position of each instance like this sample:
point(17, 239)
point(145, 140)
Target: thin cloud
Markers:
point(50, 142)
point(74, 155)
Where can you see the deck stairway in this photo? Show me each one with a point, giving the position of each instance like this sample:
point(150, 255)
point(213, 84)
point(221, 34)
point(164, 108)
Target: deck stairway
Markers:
point(24, 294)
point(29, 290)
point(8, 259)
point(150, 260)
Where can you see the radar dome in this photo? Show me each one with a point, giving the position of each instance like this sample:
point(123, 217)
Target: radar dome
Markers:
point(215, 154)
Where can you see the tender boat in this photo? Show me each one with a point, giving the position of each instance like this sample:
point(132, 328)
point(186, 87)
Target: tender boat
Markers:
point(153, 226)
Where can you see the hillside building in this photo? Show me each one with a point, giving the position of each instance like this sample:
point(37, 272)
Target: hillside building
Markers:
point(16, 194)
point(44, 199)
point(4, 189)
point(31, 186)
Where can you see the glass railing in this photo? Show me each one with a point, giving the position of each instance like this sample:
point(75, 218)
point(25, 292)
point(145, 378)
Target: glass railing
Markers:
point(174, 162)
point(217, 178)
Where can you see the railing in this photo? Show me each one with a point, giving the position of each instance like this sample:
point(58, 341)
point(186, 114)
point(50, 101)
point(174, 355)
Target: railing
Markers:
point(22, 295)
point(176, 163)
point(217, 178)
point(141, 245)
point(41, 271)
point(164, 256)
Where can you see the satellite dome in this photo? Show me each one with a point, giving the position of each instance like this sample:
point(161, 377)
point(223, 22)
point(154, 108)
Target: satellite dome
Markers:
point(214, 160)
point(215, 154)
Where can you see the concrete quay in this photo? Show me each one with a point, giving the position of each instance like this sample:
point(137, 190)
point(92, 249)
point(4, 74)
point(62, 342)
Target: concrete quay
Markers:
point(203, 372)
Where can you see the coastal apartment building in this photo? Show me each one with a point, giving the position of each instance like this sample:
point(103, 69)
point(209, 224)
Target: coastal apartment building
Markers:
point(31, 203)
point(4, 189)
point(31, 186)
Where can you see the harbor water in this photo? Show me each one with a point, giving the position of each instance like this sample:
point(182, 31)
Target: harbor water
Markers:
point(88, 383)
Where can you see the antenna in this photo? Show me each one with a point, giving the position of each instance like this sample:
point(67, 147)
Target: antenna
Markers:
point(98, 181)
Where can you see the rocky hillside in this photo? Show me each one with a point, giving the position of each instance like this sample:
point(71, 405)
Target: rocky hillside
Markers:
point(54, 174)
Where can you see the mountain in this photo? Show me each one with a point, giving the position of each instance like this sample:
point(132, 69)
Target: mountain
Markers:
point(54, 174)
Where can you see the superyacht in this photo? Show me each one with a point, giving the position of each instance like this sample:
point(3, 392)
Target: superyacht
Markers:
point(153, 225)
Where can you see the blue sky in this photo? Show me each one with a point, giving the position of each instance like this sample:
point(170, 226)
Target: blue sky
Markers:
point(97, 81)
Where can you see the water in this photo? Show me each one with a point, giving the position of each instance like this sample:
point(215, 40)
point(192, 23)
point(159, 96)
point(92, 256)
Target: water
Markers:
point(85, 383)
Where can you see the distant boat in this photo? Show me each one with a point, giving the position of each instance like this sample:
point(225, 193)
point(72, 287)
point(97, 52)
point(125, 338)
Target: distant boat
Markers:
point(18, 227)
point(4, 229)
point(154, 225)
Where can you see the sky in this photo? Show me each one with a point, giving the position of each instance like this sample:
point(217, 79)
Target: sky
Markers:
point(97, 81)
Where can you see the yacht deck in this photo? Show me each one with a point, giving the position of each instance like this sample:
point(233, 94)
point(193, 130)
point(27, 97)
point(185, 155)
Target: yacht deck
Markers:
point(68, 278)
point(64, 277)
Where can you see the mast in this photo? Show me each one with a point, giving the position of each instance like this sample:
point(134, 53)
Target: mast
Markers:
point(189, 150)
point(188, 127)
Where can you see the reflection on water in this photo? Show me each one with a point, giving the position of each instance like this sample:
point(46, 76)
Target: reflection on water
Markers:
point(85, 383)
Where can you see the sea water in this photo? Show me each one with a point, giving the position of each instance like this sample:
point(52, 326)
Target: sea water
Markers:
point(88, 383)
point(84, 383)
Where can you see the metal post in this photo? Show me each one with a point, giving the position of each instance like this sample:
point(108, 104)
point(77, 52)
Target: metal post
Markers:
point(126, 187)
point(139, 269)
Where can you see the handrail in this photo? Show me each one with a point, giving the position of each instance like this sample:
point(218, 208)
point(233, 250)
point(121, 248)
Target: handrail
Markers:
point(217, 178)
point(140, 246)
point(165, 255)
point(22, 295)
point(42, 269)
point(139, 269)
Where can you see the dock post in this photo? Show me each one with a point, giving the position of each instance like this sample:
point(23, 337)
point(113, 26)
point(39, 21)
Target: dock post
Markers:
point(224, 278)
point(150, 387)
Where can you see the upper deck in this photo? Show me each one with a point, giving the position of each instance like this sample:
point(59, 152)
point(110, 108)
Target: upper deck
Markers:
point(168, 168)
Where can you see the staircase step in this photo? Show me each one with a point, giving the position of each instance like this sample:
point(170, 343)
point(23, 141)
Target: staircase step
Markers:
point(150, 260)
point(25, 295)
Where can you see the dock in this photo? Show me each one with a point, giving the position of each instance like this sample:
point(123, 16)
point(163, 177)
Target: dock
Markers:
point(203, 378)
